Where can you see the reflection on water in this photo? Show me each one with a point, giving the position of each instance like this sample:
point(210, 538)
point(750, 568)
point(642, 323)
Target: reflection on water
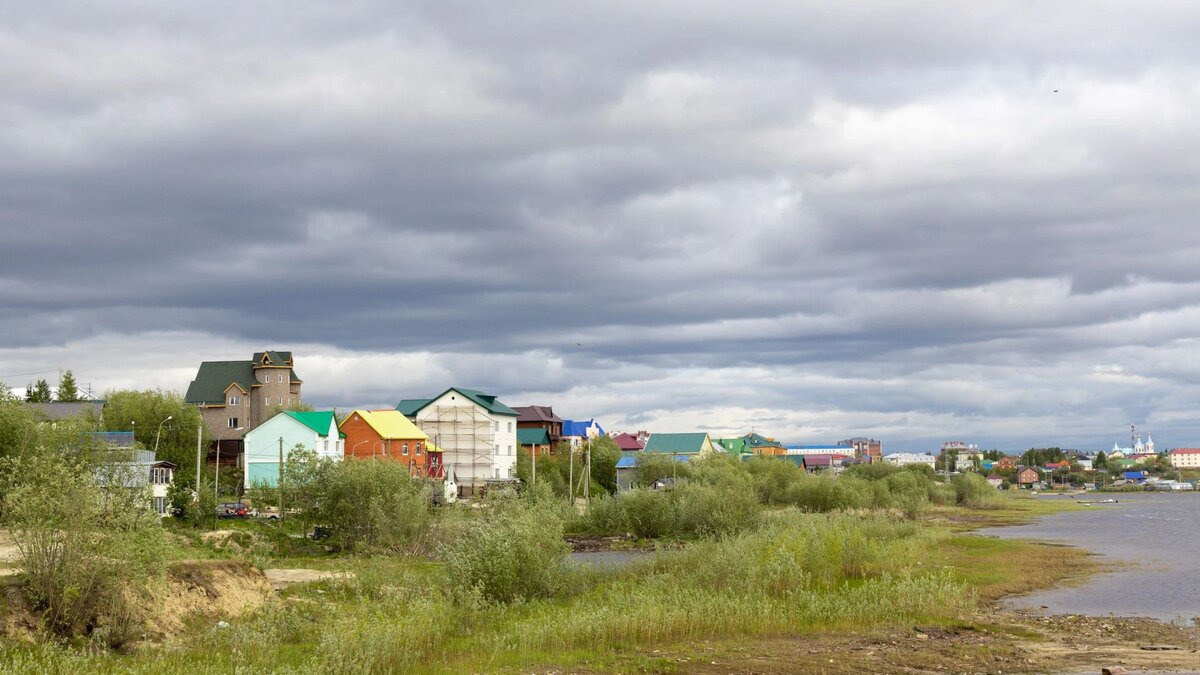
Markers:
point(609, 559)
point(1158, 535)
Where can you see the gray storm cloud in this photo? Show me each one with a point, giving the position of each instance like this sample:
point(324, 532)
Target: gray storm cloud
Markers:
point(914, 221)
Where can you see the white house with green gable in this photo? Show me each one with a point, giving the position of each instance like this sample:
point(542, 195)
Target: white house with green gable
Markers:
point(316, 431)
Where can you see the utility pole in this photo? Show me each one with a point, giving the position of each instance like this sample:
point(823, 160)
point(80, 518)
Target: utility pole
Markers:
point(533, 453)
point(587, 486)
point(281, 482)
point(199, 436)
point(571, 475)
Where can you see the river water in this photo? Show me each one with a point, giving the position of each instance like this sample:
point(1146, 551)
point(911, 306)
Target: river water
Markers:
point(1154, 539)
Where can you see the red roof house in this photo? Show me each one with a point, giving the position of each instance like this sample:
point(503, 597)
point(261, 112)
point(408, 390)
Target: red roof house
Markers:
point(628, 443)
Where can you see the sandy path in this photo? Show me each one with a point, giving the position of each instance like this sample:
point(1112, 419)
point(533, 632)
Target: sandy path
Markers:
point(281, 578)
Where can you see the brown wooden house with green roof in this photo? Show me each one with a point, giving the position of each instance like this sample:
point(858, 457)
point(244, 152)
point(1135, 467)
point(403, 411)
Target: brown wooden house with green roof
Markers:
point(235, 395)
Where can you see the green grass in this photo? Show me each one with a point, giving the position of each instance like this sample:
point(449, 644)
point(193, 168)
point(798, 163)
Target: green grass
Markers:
point(797, 574)
point(801, 573)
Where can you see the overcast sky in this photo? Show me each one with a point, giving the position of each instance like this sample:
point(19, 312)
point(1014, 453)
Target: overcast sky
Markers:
point(943, 221)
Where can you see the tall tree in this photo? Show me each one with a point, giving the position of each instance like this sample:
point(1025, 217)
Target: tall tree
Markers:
point(143, 412)
point(67, 391)
point(39, 393)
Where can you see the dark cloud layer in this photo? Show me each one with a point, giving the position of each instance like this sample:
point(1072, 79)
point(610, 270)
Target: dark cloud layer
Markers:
point(914, 220)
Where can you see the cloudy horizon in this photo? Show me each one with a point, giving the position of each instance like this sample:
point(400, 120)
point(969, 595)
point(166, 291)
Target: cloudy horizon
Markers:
point(917, 222)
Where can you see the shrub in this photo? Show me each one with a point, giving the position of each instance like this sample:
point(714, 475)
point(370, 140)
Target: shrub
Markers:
point(89, 548)
point(513, 554)
point(973, 490)
point(650, 513)
point(373, 505)
point(607, 515)
point(712, 511)
point(772, 477)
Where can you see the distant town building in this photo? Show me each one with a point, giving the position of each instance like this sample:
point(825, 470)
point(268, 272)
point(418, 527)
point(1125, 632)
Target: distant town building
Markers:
point(906, 458)
point(629, 442)
point(865, 449)
point(476, 432)
point(244, 394)
point(540, 417)
point(278, 436)
point(815, 450)
point(1027, 475)
point(1185, 458)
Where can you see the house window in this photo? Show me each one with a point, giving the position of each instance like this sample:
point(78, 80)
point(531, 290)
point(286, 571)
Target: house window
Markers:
point(232, 423)
point(404, 449)
point(160, 506)
point(281, 377)
point(418, 449)
point(495, 426)
point(496, 451)
point(266, 378)
point(510, 450)
point(234, 400)
point(510, 426)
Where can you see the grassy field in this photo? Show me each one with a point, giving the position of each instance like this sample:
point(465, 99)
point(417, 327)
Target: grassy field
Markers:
point(800, 574)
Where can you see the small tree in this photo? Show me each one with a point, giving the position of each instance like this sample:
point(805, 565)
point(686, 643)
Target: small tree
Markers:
point(39, 393)
point(303, 474)
point(605, 455)
point(68, 392)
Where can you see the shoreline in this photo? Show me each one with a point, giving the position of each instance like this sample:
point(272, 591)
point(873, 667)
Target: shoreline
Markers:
point(992, 638)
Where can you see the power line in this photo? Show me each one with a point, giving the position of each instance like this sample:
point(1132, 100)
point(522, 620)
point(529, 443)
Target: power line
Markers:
point(33, 372)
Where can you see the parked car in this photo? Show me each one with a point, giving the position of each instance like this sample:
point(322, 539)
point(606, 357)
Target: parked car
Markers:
point(232, 510)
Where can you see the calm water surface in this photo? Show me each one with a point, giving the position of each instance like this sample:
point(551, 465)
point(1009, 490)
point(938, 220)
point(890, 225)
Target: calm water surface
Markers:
point(1156, 537)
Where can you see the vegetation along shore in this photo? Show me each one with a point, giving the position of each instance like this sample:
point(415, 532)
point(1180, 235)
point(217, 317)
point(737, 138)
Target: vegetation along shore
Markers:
point(747, 567)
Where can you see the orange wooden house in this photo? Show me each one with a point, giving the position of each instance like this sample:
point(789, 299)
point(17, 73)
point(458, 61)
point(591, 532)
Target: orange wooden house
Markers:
point(387, 435)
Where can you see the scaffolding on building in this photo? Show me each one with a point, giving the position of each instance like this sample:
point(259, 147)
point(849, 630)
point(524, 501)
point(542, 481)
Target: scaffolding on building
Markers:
point(465, 435)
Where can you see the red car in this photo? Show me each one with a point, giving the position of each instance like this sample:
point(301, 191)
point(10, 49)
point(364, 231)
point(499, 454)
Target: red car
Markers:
point(232, 510)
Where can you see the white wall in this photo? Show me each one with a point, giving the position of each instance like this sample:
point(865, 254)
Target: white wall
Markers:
point(473, 464)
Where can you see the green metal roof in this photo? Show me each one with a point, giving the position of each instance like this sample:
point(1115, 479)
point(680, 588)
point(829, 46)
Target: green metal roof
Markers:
point(214, 377)
point(754, 440)
point(734, 446)
point(691, 443)
point(488, 402)
point(533, 437)
point(317, 420)
point(409, 406)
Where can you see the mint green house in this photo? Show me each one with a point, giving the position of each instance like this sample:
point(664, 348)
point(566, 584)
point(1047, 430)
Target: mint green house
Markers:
point(316, 431)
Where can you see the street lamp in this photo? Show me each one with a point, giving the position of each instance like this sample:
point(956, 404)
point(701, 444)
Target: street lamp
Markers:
point(382, 449)
point(355, 447)
point(158, 433)
point(217, 473)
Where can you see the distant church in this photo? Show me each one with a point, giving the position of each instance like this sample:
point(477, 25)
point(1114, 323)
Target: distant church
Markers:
point(1139, 448)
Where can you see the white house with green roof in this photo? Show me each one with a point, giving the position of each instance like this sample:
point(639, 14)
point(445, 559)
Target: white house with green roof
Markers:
point(316, 431)
point(476, 432)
